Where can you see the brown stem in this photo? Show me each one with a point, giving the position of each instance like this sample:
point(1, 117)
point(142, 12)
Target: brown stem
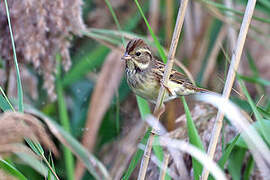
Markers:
point(236, 57)
point(168, 68)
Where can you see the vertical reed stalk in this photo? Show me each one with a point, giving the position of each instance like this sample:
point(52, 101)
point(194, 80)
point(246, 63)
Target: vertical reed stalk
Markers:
point(236, 57)
point(168, 68)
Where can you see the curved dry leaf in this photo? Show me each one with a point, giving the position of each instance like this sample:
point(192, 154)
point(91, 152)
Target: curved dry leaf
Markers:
point(15, 126)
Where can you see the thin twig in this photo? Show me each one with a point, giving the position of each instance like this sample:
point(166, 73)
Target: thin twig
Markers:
point(236, 57)
point(164, 166)
point(154, 15)
point(168, 68)
point(213, 55)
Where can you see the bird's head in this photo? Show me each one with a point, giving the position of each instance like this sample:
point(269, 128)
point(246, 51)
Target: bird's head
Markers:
point(137, 55)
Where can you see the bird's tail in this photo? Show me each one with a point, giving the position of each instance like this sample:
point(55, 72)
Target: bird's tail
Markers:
point(202, 90)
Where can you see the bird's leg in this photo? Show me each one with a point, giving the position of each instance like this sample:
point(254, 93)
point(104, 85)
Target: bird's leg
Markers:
point(167, 88)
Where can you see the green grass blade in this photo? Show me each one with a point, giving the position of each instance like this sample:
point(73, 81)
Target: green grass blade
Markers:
point(69, 161)
point(33, 162)
point(236, 162)
point(249, 168)
point(194, 139)
point(227, 152)
point(265, 3)
point(143, 107)
point(87, 62)
point(36, 147)
point(5, 104)
point(255, 80)
point(115, 20)
point(225, 156)
point(241, 143)
point(132, 22)
point(265, 113)
point(4, 165)
point(50, 174)
point(158, 151)
point(19, 84)
point(159, 47)
point(255, 111)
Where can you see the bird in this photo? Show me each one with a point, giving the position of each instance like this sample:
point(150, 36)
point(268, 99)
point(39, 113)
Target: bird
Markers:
point(144, 74)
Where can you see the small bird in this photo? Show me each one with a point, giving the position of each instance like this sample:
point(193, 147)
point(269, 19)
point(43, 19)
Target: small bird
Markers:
point(144, 74)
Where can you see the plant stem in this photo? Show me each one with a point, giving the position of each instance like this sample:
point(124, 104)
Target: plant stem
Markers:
point(168, 68)
point(236, 57)
point(164, 166)
point(19, 84)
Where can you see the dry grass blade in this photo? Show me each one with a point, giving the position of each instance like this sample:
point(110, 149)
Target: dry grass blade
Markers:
point(168, 68)
point(154, 15)
point(236, 57)
point(165, 166)
point(255, 143)
point(107, 83)
point(14, 127)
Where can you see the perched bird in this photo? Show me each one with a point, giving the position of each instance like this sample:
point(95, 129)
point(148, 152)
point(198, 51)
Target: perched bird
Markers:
point(144, 74)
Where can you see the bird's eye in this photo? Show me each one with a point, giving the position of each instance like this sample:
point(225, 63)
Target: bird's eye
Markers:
point(138, 54)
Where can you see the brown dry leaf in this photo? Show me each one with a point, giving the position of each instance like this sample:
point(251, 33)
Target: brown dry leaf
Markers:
point(107, 83)
point(260, 53)
point(14, 127)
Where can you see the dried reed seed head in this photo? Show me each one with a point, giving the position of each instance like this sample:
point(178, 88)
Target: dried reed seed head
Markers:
point(41, 29)
point(14, 127)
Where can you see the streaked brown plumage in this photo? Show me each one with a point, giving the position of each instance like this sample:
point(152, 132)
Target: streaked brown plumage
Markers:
point(144, 74)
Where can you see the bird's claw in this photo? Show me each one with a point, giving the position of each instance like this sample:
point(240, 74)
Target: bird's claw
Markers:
point(166, 87)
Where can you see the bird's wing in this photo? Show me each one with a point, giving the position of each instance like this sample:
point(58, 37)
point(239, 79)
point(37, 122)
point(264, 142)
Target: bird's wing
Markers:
point(175, 76)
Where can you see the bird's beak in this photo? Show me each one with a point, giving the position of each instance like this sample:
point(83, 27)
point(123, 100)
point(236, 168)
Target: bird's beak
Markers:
point(126, 57)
